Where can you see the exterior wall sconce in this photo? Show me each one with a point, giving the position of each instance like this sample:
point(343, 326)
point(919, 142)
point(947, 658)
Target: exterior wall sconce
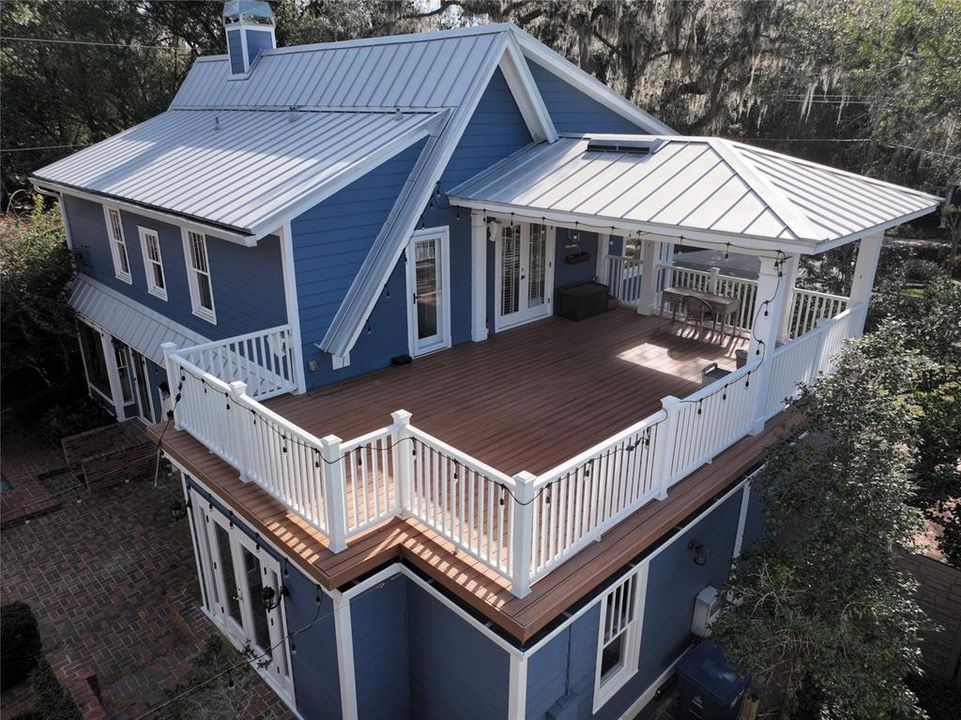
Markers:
point(271, 598)
point(699, 551)
point(178, 511)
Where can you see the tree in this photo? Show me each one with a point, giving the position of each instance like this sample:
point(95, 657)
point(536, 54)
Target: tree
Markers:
point(38, 340)
point(818, 609)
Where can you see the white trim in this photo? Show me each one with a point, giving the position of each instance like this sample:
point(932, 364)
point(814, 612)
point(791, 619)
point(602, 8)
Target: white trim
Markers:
point(648, 695)
point(526, 94)
point(91, 388)
point(63, 218)
point(606, 688)
point(141, 378)
point(442, 235)
point(292, 302)
point(346, 671)
point(208, 314)
point(517, 688)
point(587, 84)
point(148, 262)
point(338, 362)
point(117, 243)
point(742, 519)
point(478, 256)
point(48, 186)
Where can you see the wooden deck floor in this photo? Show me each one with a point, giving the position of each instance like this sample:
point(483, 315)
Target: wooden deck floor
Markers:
point(527, 399)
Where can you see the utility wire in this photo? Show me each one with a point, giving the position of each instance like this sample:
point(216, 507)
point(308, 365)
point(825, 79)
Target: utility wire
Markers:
point(128, 46)
point(44, 147)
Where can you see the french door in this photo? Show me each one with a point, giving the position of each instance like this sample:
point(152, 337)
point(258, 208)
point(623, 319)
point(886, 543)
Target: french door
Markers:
point(524, 274)
point(428, 290)
point(141, 378)
point(236, 571)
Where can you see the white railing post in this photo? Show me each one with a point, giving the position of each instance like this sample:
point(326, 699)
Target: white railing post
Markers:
point(789, 268)
point(238, 427)
point(522, 534)
point(403, 458)
point(335, 493)
point(478, 292)
point(664, 446)
point(714, 282)
point(173, 379)
point(768, 304)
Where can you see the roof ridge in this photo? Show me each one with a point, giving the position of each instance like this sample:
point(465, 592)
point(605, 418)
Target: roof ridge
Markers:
point(399, 39)
point(789, 213)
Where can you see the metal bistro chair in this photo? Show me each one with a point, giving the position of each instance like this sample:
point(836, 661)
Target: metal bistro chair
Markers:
point(696, 311)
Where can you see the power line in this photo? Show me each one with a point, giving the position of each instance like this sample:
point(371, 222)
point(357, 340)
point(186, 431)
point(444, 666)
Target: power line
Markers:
point(98, 44)
point(858, 140)
point(44, 147)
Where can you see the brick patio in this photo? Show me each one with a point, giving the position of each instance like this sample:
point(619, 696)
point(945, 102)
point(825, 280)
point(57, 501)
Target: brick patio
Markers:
point(113, 583)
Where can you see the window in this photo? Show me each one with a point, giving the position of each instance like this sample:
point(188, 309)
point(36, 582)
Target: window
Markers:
point(153, 263)
point(91, 347)
point(198, 275)
point(123, 371)
point(619, 635)
point(118, 246)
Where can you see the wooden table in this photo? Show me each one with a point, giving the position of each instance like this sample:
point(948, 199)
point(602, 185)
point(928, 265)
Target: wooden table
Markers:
point(722, 305)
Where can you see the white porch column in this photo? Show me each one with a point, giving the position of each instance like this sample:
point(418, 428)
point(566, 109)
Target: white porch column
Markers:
point(789, 267)
point(650, 252)
point(768, 307)
point(869, 251)
point(478, 257)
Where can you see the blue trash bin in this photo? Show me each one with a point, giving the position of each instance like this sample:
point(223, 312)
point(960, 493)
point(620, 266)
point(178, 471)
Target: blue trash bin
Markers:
point(709, 689)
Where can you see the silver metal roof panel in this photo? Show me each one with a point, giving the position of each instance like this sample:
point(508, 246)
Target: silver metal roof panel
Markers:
point(127, 320)
point(236, 169)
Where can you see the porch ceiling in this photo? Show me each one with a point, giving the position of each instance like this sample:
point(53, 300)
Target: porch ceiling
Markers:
point(706, 189)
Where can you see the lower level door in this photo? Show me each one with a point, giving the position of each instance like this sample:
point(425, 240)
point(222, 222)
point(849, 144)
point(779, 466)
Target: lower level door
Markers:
point(141, 378)
point(428, 291)
point(524, 274)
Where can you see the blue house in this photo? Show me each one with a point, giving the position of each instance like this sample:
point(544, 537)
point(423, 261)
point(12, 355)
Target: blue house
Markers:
point(395, 309)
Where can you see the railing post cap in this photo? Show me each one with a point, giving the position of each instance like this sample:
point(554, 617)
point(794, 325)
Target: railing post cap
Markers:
point(670, 401)
point(331, 440)
point(401, 417)
point(525, 477)
point(237, 387)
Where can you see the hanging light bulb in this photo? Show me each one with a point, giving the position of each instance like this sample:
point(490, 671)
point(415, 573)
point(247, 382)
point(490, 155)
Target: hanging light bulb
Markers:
point(727, 247)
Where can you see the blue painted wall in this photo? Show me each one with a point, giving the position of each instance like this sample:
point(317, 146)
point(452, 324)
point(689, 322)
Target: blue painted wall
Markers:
point(566, 664)
point(455, 672)
point(381, 653)
point(314, 664)
point(573, 111)
point(566, 274)
point(247, 282)
point(332, 239)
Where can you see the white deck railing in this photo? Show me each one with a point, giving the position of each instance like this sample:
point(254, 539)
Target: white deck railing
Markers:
point(264, 360)
point(519, 527)
point(624, 278)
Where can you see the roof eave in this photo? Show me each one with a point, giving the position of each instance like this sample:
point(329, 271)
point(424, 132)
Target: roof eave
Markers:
point(879, 229)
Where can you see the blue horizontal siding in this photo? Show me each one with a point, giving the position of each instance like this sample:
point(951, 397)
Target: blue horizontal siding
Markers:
point(248, 284)
point(565, 666)
point(574, 112)
point(567, 274)
point(455, 672)
point(331, 241)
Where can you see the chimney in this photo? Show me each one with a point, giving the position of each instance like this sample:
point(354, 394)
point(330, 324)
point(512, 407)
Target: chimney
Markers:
point(249, 25)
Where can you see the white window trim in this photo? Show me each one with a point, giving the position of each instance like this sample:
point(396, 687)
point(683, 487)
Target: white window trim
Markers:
point(210, 315)
point(114, 242)
point(152, 287)
point(619, 677)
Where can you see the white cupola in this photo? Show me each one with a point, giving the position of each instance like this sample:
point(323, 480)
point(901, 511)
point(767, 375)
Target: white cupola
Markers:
point(249, 25)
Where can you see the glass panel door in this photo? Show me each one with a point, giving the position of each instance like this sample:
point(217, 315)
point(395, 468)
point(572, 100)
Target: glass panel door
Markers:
point(525, 274)
point(537, 276)
point(141, 380)
point(427, 283)
point(225, 575)
point(510, 264)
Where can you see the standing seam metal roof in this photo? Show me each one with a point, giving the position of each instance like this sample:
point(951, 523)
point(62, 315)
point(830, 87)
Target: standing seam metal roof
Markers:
point(706, 184)
point(234, 168)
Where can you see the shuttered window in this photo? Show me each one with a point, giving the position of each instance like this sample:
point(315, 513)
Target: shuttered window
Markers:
point(198, 272)
point(118, 245)
point(619, 635)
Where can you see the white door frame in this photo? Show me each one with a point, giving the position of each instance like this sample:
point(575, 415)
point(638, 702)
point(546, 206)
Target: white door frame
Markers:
point(233, 628)
point(524, 314)
point(442, 234)
point(140, 376)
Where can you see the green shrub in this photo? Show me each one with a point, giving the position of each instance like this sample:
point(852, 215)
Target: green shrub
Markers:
point(921, 271)
point(52, 701)
point(19, 643)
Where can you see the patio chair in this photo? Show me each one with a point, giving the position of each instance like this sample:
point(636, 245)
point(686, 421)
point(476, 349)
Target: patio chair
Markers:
point(697, 311)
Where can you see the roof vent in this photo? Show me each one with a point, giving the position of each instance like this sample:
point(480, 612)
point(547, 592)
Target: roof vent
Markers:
point(624, 145)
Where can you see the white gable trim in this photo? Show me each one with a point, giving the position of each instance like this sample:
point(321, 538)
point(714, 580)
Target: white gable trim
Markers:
point(517, 73)
point(587, 83)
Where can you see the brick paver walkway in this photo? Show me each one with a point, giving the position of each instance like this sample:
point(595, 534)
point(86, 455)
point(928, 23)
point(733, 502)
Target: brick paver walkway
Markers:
point(112, 581)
